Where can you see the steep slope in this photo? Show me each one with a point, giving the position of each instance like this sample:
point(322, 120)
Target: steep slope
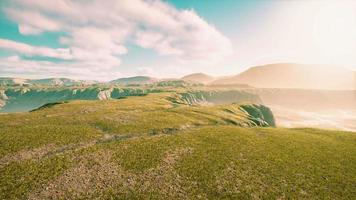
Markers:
point(216, 97)
point(198, 78)
point(134, 80)
point(294, 76)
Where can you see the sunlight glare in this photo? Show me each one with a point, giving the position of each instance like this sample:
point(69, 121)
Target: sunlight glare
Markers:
point(335, 29)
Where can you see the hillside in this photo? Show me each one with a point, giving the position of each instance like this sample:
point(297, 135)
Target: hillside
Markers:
point(198, 78)
point(293, 76)
point(134, 80)
point(158, 147)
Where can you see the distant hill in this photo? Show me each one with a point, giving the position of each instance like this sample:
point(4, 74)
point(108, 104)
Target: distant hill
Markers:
point(12, 81)
point(135, 80)
point(198, 78)
point(46, 82)
point(54, 81)
point(287, 75)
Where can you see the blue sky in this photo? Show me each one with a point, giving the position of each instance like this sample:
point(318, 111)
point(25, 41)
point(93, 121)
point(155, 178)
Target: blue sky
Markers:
point(171, 38)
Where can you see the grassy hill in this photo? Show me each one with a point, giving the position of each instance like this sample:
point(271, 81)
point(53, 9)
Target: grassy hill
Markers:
point(159, 147)
point(57, 81)
point(12, 81)
point(134, 80)
point(198, 78)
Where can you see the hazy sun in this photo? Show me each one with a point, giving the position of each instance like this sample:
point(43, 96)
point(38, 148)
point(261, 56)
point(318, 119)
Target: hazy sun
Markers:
point(335, 28)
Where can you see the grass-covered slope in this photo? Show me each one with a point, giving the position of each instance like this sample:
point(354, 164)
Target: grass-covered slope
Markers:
point(153, 147)
point(198, 78)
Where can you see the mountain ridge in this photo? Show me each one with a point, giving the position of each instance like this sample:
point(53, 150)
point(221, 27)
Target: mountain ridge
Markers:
point(4, 81)
point(278, 75)
point(134, 80)
point(198, 78)
point(289, 75)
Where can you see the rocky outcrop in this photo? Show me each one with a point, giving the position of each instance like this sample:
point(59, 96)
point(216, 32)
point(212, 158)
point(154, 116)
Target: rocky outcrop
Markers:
point(105, 94)
point(217, 97)
point(248, 103)
point(3, 95)
point(259, 114)
point(3, 98)
point(2, 103)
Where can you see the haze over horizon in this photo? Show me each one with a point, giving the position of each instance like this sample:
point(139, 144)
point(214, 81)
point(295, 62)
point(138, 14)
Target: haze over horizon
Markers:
point(170, 39)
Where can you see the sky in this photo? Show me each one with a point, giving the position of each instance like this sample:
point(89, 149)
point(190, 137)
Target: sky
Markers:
point(105, 40)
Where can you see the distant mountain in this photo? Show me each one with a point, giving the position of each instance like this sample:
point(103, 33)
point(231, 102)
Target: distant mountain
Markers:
point(45, 82)
point(287, 75)
point(135, 80)
point(54, 81)
point(198, 78)
point(12, 81)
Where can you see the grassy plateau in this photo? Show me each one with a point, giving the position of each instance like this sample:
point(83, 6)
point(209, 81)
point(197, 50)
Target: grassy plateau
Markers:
point(159, 146)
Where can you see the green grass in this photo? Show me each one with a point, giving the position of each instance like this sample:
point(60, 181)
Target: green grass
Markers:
point(150, 147)
point(82, 121)
point(20, 178)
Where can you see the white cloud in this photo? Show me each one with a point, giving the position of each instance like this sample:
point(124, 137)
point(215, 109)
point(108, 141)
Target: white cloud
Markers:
point(29, 50)
point(32, 22)
point(14, 65)
point(96, 32)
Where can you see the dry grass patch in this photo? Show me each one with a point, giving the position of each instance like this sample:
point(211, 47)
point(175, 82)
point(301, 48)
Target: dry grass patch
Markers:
point(26, 154)
point(94, 172)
